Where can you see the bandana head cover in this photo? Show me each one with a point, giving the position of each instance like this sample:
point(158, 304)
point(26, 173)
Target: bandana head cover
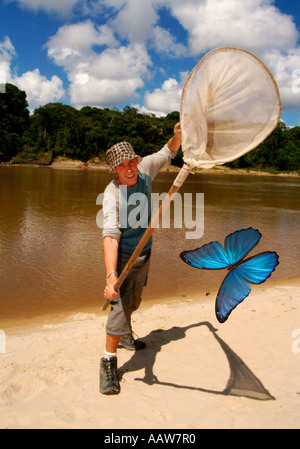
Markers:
point(120, 152)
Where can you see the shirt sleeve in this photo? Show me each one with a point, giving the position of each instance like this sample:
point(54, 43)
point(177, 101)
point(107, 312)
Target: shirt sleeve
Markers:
point(111, 226)
point(153, 163)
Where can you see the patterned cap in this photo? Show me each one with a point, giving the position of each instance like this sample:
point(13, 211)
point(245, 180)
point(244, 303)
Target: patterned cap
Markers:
point(120, 152)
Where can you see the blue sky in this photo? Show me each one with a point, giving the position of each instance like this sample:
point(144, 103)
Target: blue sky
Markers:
point(112, 53)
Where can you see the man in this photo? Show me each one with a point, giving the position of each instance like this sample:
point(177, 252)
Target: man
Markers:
point(121, 234)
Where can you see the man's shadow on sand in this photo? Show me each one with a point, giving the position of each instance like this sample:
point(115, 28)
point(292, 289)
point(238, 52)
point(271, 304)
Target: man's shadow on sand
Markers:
point(241, 382)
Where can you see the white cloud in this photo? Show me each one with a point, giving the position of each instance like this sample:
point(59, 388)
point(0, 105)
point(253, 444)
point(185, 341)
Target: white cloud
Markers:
point(285, 67)
point(164, 42)
point(7, 52)
point(135, 20)
point(251, 24)
point(100, 78)
point(165, 99)
point(38, 88)
point(108, 64)
point(7, 49)
point(255, 25)
point(109, 78)
point(86, 89)
point(74, 43)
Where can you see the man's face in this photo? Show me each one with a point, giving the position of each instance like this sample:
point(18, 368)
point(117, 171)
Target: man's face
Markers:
point(127, 172)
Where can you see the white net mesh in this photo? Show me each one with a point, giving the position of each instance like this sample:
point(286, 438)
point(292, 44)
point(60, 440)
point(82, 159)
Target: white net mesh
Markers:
point(230, 104)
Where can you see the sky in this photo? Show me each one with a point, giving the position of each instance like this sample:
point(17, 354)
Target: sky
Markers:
point(113, 53)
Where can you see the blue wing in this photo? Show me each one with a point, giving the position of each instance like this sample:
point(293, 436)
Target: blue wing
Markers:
point(258, 268)
point(211, 256)
point(233, 291)
point(235, 287)
point(240, 243)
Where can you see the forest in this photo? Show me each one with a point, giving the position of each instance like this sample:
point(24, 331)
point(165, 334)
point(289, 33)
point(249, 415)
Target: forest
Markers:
point(56, 130)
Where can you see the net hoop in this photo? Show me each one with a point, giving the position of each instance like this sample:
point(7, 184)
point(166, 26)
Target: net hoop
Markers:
point(196, 133)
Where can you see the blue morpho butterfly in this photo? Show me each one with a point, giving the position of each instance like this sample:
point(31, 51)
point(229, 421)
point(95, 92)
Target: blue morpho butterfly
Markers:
point(235, 287)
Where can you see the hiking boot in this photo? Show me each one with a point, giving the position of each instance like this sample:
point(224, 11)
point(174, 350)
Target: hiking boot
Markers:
point(128, 342)
point(109, 381)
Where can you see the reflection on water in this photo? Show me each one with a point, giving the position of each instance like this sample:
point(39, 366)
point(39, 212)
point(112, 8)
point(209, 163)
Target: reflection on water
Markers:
point(51, 249)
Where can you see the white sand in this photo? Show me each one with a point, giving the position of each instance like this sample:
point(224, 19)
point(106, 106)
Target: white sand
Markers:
point(187, 378)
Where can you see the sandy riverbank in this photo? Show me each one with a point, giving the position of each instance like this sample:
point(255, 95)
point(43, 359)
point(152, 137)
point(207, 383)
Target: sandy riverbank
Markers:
point(65, 163)
point(195, 372)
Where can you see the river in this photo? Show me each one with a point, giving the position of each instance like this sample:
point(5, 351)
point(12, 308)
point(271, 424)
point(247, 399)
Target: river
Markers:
point(51, 247)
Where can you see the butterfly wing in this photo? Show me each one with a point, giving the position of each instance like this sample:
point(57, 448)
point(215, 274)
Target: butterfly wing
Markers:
point(233, 291)
point(258, 268)
point(235, 287)
point(240, 243)
point(211, 256)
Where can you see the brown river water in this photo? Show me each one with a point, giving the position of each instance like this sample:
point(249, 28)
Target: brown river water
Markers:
point(51, 247)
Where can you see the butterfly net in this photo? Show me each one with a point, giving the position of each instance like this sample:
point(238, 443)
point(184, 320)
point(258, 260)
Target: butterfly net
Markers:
point(229, 105)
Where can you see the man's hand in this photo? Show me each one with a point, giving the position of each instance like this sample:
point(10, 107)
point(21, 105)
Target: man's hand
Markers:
point(175, 141)
point(177, 129)
point(109, 292)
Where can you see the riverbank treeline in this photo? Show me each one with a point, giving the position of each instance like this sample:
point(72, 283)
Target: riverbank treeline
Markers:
point(56, 130)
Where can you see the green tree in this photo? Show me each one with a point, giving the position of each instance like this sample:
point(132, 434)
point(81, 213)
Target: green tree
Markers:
point(60, 130)
point(14, 120)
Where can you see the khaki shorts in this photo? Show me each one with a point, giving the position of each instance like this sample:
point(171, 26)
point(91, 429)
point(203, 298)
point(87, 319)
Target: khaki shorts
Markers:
point(130, 295)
